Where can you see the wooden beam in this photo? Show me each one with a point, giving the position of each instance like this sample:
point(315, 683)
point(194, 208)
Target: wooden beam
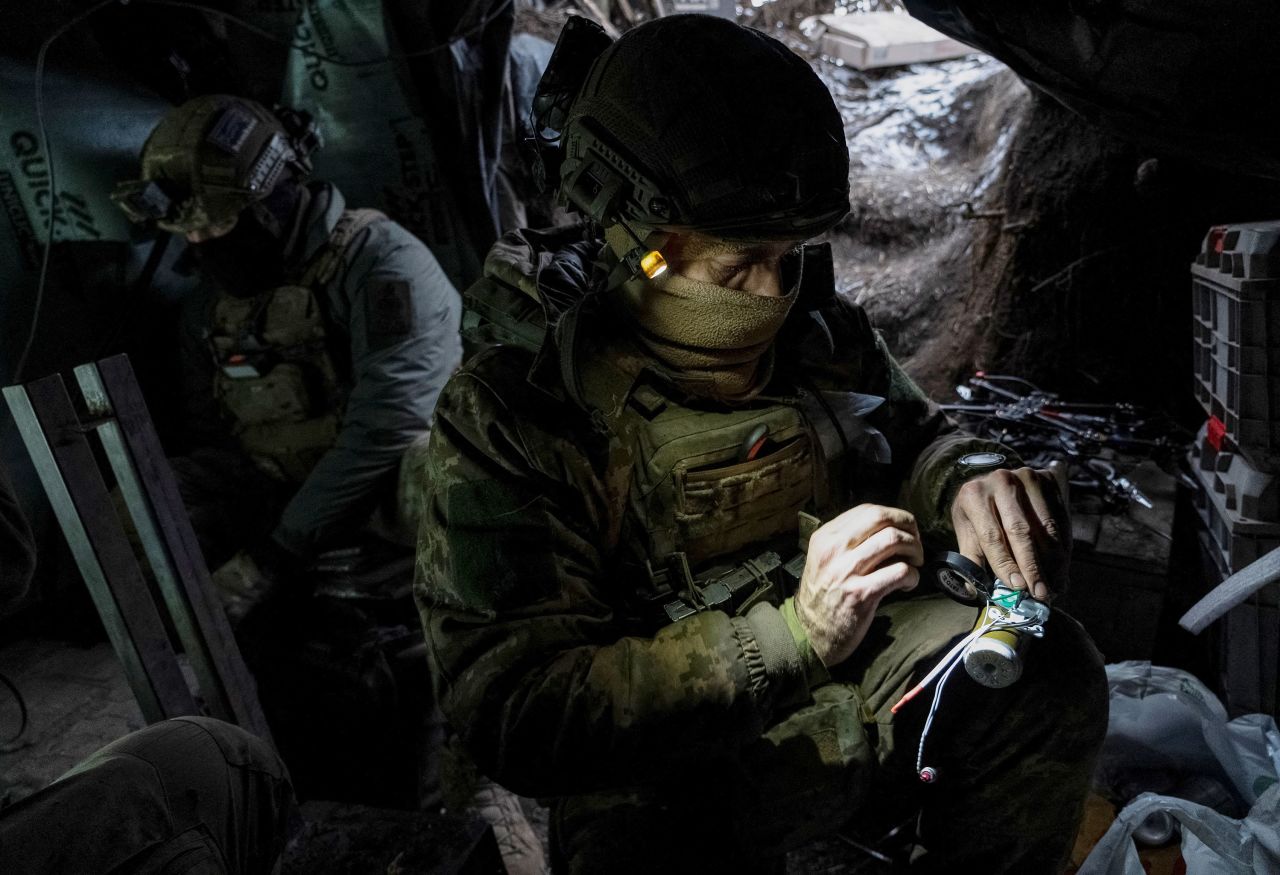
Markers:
point(69, 473)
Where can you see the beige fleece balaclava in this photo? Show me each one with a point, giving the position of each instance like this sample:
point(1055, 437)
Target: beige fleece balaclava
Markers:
point(715, 341)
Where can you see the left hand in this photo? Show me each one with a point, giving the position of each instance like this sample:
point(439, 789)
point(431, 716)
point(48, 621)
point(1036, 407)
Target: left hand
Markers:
point(1017, 522)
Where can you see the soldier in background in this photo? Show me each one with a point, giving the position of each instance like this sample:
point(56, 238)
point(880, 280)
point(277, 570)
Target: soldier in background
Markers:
point(615, 490)
point(314, 349)
point(187, 796)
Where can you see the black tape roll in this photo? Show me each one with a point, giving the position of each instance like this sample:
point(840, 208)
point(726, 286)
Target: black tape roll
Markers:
point(961, 578)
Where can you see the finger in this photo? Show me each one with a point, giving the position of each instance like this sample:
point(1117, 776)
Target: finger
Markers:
point(1048, 506)
point(867, 519)
point(992, 546)
point(892, 578)
point(1054, 535)
point(1019, 535)
point(856, 525)
point(967, 538)
point(884, 546)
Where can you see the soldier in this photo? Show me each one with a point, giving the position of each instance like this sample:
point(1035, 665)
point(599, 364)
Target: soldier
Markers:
point(613, 501)
point(315, 347)
point(191, 795)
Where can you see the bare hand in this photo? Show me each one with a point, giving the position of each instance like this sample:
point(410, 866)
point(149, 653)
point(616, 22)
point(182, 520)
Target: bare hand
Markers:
point(853, 562)
point(1016, 521)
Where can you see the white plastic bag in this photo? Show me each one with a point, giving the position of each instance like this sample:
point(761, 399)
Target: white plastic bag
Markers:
point(1163, 719)
point(1212, 843)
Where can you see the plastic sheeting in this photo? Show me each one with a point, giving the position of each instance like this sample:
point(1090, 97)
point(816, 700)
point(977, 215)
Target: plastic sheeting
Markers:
point(377, 150)
point(1164, 720)
point(96, 128)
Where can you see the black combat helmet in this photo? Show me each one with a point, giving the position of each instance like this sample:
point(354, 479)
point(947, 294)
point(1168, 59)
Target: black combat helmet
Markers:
point(214, 156)
point(694, 123)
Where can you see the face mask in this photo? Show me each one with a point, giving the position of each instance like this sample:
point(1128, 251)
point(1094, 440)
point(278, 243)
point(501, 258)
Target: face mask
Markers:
point(245, 261)
point(715, 341)
point(251, 258)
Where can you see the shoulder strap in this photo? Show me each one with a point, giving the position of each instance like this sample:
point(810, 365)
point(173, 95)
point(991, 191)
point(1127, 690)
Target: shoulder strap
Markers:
point(600, 383)
point(324, 266)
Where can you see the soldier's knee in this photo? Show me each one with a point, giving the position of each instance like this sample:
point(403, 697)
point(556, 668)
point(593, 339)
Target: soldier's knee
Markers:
point(201, 750)
point(239, 747)
point(1068, 653)
point(1068, 669)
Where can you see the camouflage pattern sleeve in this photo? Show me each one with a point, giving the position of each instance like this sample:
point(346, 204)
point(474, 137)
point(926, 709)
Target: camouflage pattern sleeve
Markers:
point(547, 687)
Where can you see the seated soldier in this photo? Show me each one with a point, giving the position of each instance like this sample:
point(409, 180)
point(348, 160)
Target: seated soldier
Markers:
point(314, 349)
point(613, 492)
point(188, 796)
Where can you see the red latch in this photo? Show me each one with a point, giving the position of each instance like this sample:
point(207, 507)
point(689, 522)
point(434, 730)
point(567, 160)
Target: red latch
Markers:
point(1217, 236)
point(1215, 431)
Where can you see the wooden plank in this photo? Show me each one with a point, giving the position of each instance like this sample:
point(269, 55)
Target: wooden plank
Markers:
point(69, 472)
point(133, 491)
point(194, 603)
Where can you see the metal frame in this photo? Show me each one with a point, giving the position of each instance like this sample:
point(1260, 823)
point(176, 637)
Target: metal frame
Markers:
point(56, 439)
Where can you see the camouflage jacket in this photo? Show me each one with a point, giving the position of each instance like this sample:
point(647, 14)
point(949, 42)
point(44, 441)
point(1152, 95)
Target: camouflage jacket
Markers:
point(552, 681)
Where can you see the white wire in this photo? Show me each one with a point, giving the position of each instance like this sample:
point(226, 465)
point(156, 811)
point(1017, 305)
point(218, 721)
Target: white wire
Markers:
point(954, 652)
point(933, 709)
point(53, 187)
point(950, 662)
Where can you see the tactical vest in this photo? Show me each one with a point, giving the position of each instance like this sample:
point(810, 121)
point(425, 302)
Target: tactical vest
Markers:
point(722, 500)
point(719, 501)
point(278, 382)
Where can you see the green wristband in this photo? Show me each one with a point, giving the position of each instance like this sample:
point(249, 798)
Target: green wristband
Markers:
point(816, 673)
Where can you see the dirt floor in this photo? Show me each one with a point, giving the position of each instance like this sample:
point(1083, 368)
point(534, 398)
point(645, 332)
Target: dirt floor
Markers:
point(78, 701)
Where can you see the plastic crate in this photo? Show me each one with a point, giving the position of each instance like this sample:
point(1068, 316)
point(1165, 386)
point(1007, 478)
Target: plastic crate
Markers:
point(1235, 284)
point(1238, 504)
point(1249, 648)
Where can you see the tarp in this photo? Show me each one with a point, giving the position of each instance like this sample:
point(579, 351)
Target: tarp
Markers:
point(377, 150)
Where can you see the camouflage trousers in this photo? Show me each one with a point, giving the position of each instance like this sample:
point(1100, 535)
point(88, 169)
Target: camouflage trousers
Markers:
point(188, 796)
point(1013, 765)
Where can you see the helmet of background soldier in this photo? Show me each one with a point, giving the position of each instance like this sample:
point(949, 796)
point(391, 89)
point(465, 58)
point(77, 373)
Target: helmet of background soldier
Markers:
point(214, 156)
point(695, 123)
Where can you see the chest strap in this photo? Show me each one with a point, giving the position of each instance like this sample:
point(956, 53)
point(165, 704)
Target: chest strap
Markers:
point(324, 266)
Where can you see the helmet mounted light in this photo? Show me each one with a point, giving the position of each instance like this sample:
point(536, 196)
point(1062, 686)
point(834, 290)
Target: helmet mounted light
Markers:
point(652, 264)
point(765, 160)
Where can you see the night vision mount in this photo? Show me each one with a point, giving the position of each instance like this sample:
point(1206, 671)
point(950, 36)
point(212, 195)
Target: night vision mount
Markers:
point(152, 200)
point(596, 175)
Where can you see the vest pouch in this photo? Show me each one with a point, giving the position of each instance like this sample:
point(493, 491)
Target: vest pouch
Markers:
point(720, 510)
point(281, 395)
point(292, 318)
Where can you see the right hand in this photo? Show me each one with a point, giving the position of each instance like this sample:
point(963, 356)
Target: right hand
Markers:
point(853, 562)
